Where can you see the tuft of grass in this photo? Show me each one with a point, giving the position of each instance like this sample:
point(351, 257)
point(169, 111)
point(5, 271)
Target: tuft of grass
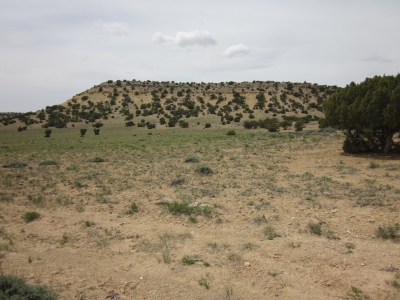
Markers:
point(350, 247)
point(132, 208)
point(30, 216)
point(88, 223)
point(373, 165)
point(234, 257)
point(260, 220)
point(315, 228)
point(48, 163)
point(270, 233)
point(389, 232)
point(97, 159)
point(65, 239)
point(331, 235)
point(205, 281)
point(204, 170)
point(15, 165)
point(191, 159)
point(177, 181)
point(186, 260)
point(356, 294)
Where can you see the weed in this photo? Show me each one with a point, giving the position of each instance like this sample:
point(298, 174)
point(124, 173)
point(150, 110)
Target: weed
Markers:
point(191, 159)
point(48, 163)
point(213, 245)
point(205, 281)
point(234, 257)
point(274, 274)
point(315, 228)
point(88, 223)
point(132, 208)
point(30, 216)
point(294, 245)
point(389, 232)
point(65, 239)
point(331, 235)
point(350, 247)
point(356, 294)
point(192, 219)
point(270, 233)
point(260, 220)
point(15, 165)
point(166, 256)
point(206, 264)
point(204, 170)
point(97, 159)
point(80, 208)
point(177, 181)
point(373, 165)
point(186, 260)
point(228, 290)
point(249, 246)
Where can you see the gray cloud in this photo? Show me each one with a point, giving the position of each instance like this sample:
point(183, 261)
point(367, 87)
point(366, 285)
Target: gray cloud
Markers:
point(185, 39)
point(377, 58)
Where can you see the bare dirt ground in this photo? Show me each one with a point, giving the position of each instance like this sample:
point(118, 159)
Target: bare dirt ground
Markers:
point(288, 217)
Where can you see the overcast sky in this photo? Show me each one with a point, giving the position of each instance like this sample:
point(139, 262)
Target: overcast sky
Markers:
point(51, 50)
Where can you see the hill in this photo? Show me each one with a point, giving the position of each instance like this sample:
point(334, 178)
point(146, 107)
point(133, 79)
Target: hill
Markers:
point(168, 104)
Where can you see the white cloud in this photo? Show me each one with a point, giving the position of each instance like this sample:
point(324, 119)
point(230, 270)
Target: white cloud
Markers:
point(185, 39)
point(377, 58)
point(116, 28)
point(237, 50)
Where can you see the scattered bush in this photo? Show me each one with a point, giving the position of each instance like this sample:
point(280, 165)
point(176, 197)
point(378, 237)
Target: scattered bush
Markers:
point(16, 288)
point(96, 131)
point(186, 260)
point(97, 159)
point(231, 132)
point(270, 233)
point(315, 228)
point(178, 181)
point(389, 232)
point(132, 208)
point(30, 216)
point(15, 164)
point(191, 159)
point(204, 170)
point(48, 163)
point(207, 125)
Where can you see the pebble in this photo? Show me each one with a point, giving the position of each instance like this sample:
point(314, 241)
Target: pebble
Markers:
point(246, 264)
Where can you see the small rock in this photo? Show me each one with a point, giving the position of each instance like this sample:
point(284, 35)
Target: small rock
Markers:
point(164, 201)
point(194, 204)
point(203, 205)
point(246, 264)
point(141, 277)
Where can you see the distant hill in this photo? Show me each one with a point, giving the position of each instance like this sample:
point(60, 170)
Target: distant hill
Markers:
point(153, 104)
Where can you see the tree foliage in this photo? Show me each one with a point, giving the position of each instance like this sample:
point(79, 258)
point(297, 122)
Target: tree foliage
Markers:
point(369, 114)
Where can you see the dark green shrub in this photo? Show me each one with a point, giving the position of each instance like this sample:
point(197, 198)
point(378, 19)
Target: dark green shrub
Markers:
point(47, 133)
point(30, 216)
point(16, 289)
point(204, 170)
point(96, 131)
point(83, 131)
point(231, 132)
point(84, 98)
point(299, 125)
point(207, 125)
